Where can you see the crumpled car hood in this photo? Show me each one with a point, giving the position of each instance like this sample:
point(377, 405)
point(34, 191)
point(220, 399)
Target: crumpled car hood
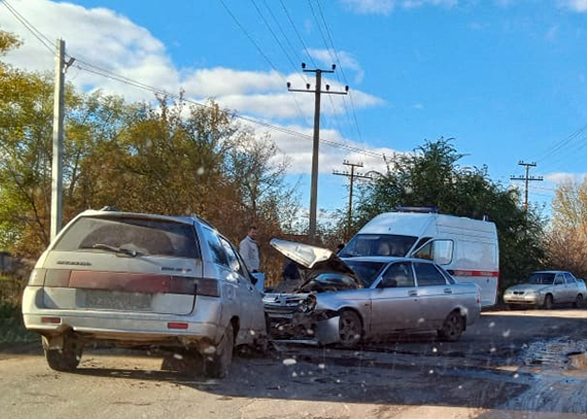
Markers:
point(315, 260)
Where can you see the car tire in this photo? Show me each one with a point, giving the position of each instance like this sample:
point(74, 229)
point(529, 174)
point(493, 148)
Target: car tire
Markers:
point(68, 357)
point(350, 329)
point(548, 302)
point(578, 301)
point(453, 327)
point(218, 364)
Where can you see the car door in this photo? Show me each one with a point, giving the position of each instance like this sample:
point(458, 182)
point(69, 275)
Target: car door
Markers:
point(559, 288)
point(436, 296)
point(250, 305)
point(394, 300)
point(571, 287)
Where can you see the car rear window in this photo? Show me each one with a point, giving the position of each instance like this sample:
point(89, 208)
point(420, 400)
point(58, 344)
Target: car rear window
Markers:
point(146, 236)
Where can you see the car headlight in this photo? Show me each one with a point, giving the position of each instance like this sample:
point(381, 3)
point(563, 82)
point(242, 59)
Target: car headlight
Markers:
point(308, 305)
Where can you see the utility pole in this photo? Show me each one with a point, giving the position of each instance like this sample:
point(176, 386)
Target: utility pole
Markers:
point(526, 179)
point(352, 177)
point(317, 92)
point(58, 112)
point(57, 165)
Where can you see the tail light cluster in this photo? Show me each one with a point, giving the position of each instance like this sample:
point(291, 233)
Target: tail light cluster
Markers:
point(120, 281)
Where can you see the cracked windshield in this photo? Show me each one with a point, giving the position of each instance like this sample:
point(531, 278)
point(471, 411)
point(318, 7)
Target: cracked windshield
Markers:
point(279, 209)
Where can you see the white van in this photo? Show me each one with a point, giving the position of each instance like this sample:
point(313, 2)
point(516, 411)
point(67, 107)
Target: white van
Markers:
point(466, 248)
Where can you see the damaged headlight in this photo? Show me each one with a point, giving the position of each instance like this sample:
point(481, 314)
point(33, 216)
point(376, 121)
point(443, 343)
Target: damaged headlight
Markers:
point(308, 305)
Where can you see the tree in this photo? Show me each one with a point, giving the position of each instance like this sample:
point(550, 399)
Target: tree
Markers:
point(431, 176)
point(566, 241)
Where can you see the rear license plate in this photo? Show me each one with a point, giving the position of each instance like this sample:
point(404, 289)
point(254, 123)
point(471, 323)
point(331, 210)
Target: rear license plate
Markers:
point(117, 300)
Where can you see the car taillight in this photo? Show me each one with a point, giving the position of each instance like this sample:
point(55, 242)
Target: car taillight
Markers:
point(37, 277)
point(57, 277)
point(177, 325)
point(208, 287)
point(180, 285)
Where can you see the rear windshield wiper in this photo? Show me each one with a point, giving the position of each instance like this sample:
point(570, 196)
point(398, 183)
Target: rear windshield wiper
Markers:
point(120, 250)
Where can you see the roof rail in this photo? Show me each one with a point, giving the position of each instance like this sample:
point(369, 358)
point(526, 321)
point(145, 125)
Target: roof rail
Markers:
point(424, 210)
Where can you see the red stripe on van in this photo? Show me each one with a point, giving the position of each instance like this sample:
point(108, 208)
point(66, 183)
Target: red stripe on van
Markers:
point(131, 282)
point(476, 273)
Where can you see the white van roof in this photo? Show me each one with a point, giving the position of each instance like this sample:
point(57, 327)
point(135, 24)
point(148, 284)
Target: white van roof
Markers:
point(410, 224)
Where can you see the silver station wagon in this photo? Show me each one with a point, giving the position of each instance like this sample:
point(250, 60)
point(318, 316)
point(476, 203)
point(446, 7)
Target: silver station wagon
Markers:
point(141, 280)
point(346, 300)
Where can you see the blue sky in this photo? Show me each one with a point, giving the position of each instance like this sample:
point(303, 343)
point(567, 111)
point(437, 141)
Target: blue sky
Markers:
point(505, 78)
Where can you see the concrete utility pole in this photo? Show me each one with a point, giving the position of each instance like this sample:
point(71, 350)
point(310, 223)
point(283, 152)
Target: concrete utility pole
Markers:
point(352, 177)
point(57, 165)
point(526, 179)
point(317, 92)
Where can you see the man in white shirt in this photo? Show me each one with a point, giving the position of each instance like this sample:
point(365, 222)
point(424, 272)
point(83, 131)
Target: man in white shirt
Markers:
point(249, 250)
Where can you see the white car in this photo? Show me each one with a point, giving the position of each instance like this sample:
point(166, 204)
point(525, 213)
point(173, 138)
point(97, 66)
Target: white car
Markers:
point(546, 288)
point(142, 280)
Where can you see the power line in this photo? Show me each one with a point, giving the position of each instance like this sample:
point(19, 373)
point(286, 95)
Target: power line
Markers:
point(92, 68)
point(85, 66)
point(243, 29)
point(297, 33)
point(331, 47)
point(273, 34)
point(32, 29)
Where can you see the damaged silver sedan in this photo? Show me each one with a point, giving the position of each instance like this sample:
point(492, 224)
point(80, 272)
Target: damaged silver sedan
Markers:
point(347, 300)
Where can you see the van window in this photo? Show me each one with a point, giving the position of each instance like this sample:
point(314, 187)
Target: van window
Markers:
point(378, 245)
point(440, 251)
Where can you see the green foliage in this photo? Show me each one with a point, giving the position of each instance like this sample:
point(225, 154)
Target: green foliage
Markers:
point(431, 177)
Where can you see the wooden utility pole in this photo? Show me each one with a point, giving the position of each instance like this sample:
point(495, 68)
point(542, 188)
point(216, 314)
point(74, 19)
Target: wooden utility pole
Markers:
point(526, 179)
point(352, 175)
point(317, 92)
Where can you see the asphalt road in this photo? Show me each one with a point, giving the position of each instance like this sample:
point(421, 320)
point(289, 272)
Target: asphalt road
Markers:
point(520, 364)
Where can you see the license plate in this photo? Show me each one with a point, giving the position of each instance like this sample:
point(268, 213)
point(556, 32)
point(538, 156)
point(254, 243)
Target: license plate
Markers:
point(117, 300)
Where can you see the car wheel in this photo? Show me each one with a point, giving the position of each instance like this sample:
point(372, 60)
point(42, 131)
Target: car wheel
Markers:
point(548, 301)
point(453, 327)
point(68, 357)
point(218, 364)
point(578, 301)
point(350, 328)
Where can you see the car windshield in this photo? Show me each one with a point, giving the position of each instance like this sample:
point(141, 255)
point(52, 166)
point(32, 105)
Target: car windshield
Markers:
point(542, 278)
point(127, 234)
point(378, 245)
point(366, 271)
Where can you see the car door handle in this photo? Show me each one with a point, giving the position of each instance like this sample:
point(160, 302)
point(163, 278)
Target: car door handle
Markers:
point(412, 293)
point(447, 291)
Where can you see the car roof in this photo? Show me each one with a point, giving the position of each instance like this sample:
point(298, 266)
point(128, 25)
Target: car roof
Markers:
point(109, 213)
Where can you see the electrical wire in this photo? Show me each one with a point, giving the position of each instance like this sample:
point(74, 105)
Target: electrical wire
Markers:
point(92, 68)
point(243, 29)
point(298, 33)
point(31, 28)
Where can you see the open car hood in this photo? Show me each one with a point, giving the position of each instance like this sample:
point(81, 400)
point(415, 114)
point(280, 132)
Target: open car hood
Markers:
point(315, 260)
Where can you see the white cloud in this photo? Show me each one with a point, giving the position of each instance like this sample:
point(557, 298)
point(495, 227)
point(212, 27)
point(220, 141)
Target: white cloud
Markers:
point(347, 61)
point(562, 178)
point(574, 5)
point(384, 7)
